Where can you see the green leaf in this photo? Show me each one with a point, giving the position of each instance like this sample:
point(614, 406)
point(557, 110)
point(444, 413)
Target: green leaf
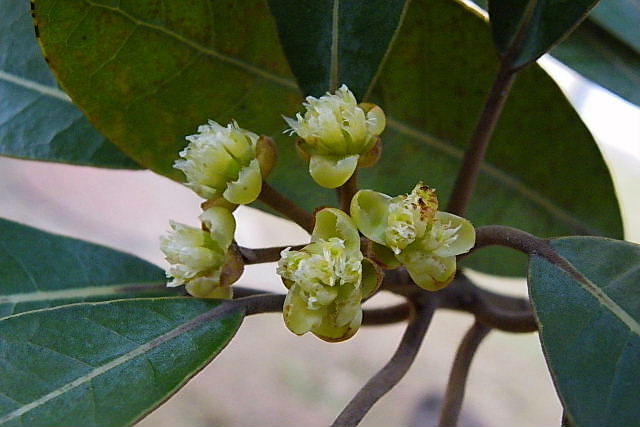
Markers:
point(524, 30)
point(589, 317)
point(604, 48)
point(38, 121)
point(40, 270)
point(169, 74)
point(433, 87)
point(148, 73)
point(104, 364)
point(331, 42)
point(620, 18)
point(602, 58)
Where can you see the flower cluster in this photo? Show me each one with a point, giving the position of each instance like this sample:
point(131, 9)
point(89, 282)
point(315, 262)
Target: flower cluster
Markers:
point(338, 135)
point(328, 279)
point(226, 166)
point(325, 279)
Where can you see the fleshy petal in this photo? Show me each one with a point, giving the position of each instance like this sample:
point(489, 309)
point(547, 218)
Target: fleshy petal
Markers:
point(247, 187)
point(370, 210)
point(331, 172)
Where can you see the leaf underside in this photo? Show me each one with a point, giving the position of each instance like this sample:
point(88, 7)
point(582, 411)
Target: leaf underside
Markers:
point(38, 121)
point(110, 363)
point(41, 270)
point(590, 328)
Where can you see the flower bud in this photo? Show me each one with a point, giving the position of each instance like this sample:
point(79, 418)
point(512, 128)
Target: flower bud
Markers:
point(222, 162)
point(200, 259)
point(324, 280)
point(335, 132)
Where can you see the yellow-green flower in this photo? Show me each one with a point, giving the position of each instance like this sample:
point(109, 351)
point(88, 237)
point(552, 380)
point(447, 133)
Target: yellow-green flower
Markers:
point(223, 162)
point(335, 132)
point(198, 258)
point(325, 280)
point(426, 241)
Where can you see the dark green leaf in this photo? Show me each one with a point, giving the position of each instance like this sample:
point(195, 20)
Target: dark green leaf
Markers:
point(168, 76)
point(433, 86)
point(524, 30)
point(331, 42)
point(601, 57)
point(608, 57)
point(620, 18)
point(590, 328)
point(105, 364)
point(39, 270)
point(37, 120)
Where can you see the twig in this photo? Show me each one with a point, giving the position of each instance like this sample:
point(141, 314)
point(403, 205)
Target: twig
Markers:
point(387, 315)
point(347, 190)
point(286, 206)
point(393, 371)
point(473, 157)
point(459, 373)
point(262, 255)
point(256, 304)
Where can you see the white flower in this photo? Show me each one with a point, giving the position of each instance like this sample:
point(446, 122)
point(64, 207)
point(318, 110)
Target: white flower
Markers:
point(336, 131)
point(197, 257)
point(221, 161)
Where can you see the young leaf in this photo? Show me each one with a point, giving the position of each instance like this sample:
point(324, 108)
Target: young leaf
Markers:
point(38, 121)
point(433, 86)
point(40, 270)
point(523, 30)
point(590, 327)
point(329, 43)
point(110, 363)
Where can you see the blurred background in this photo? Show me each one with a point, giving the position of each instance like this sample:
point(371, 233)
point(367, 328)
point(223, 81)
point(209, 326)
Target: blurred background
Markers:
point(268, 376)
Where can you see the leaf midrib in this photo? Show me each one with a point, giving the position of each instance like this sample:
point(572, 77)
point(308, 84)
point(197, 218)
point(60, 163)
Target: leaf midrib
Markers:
point(83, 292)
point(209, 316)
point(549, 206)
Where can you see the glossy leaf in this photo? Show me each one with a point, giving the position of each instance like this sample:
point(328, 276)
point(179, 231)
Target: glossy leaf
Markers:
point(620, 18)
point(433, 87)
point(40, 270)
point(148, 73)
point(170, 75)
point(110, 363)
point(38, 121)
point(590, 328)
point(603, 58)
point(525, 29)
point(331, 42)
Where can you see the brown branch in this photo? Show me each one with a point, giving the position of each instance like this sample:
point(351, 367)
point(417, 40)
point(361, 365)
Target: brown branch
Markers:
point(286, 207)
point(474, 156)
point(459, 373)
point(346, 192)
point(262, 255)
point(506, 313)
point(387, 315)
point(257, 304)
point(393, 371)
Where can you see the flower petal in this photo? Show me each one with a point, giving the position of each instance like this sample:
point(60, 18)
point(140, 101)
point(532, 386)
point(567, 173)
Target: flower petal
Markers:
point(332, 172)
point(247, 187)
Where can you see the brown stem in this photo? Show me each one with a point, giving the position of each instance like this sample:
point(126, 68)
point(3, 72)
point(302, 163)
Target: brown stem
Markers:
point(387, 315)
point(459, 373)
point(286, 207)
point(393, 371)
point(256, 304)
point(506, 313)
point(262, 255)
point(473, 157)
point(347, 190)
